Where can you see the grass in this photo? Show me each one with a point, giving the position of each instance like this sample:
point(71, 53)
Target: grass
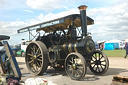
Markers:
point(115, 53)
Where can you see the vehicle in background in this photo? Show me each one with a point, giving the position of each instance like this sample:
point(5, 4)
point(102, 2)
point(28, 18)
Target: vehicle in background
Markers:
point(99, 46)
point(96, 45)
point(20, 53)
point(121, 45)
point(24, 44)
point(15, 48)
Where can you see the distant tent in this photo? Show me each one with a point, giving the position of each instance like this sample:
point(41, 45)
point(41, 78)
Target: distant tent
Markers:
point(126, 40)
point(112, 44)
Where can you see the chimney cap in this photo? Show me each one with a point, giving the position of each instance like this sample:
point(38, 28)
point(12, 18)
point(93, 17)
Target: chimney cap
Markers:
point(82, 7)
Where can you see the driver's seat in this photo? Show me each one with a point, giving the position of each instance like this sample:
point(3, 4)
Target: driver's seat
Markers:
point(3, 37)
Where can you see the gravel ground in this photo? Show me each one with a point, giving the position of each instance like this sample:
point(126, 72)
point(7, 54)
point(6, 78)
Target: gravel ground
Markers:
point(117, 66)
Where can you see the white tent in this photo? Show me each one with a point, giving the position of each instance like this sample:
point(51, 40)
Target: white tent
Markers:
point(126, 40)
point(114, 41)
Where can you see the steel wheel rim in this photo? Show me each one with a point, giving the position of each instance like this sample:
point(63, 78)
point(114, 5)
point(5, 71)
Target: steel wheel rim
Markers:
point(34, 58)
point(98, 62)
point(75, 67)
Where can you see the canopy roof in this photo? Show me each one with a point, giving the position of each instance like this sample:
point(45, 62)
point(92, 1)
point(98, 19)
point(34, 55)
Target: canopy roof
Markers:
point(62, 23)
point(114, 41)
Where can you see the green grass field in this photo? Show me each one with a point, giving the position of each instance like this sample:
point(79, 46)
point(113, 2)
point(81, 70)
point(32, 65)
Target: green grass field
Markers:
point(115, 53)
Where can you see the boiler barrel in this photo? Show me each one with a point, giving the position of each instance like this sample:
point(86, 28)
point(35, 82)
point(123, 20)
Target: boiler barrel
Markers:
point(84, 46)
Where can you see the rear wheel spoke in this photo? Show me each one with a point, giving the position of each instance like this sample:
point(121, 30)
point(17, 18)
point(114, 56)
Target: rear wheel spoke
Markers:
point(30, 61)
point(39, 60)
point(30, 54)
point(37, 50)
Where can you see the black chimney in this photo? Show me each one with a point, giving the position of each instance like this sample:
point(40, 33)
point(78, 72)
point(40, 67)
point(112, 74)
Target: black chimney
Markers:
point(83, 19)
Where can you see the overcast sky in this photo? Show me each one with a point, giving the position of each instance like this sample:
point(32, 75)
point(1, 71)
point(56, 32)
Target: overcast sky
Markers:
point(110, 16)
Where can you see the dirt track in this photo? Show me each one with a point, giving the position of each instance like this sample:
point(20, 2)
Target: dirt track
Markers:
point(117, 66)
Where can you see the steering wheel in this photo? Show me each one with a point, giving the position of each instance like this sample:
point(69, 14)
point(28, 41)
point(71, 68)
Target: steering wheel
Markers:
point(58, 35)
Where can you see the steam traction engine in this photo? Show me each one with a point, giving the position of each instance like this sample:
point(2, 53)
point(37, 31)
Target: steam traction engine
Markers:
point(65, 46)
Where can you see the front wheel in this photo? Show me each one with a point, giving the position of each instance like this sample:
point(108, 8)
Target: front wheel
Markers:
point(99, 63)
point(36, 57)
point(75, 66)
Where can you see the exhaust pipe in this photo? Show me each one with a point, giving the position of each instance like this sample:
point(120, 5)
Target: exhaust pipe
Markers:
point(83, 20)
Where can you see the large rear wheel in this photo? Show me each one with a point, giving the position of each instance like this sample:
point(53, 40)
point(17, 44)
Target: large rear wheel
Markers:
point(75, 66)
point(99, 63)
point(36, 57)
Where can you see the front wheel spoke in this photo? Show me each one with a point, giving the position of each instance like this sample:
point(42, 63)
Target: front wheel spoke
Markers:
point(94, 57)
point(72, 59)
point(70, 68)
point(102, 64)
point(34, 66)
point(78, 60)
point(101, 57)
point(94, 66)
point(80, 66)
point(75, 73)
point(79, 71)
point(93, 63)
point(103, 61)
point(92, 60)
point(72, 71)
point(98, 68)
point(75, 59)
point(101, 67)
point(34, 50)
point(69, 65)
